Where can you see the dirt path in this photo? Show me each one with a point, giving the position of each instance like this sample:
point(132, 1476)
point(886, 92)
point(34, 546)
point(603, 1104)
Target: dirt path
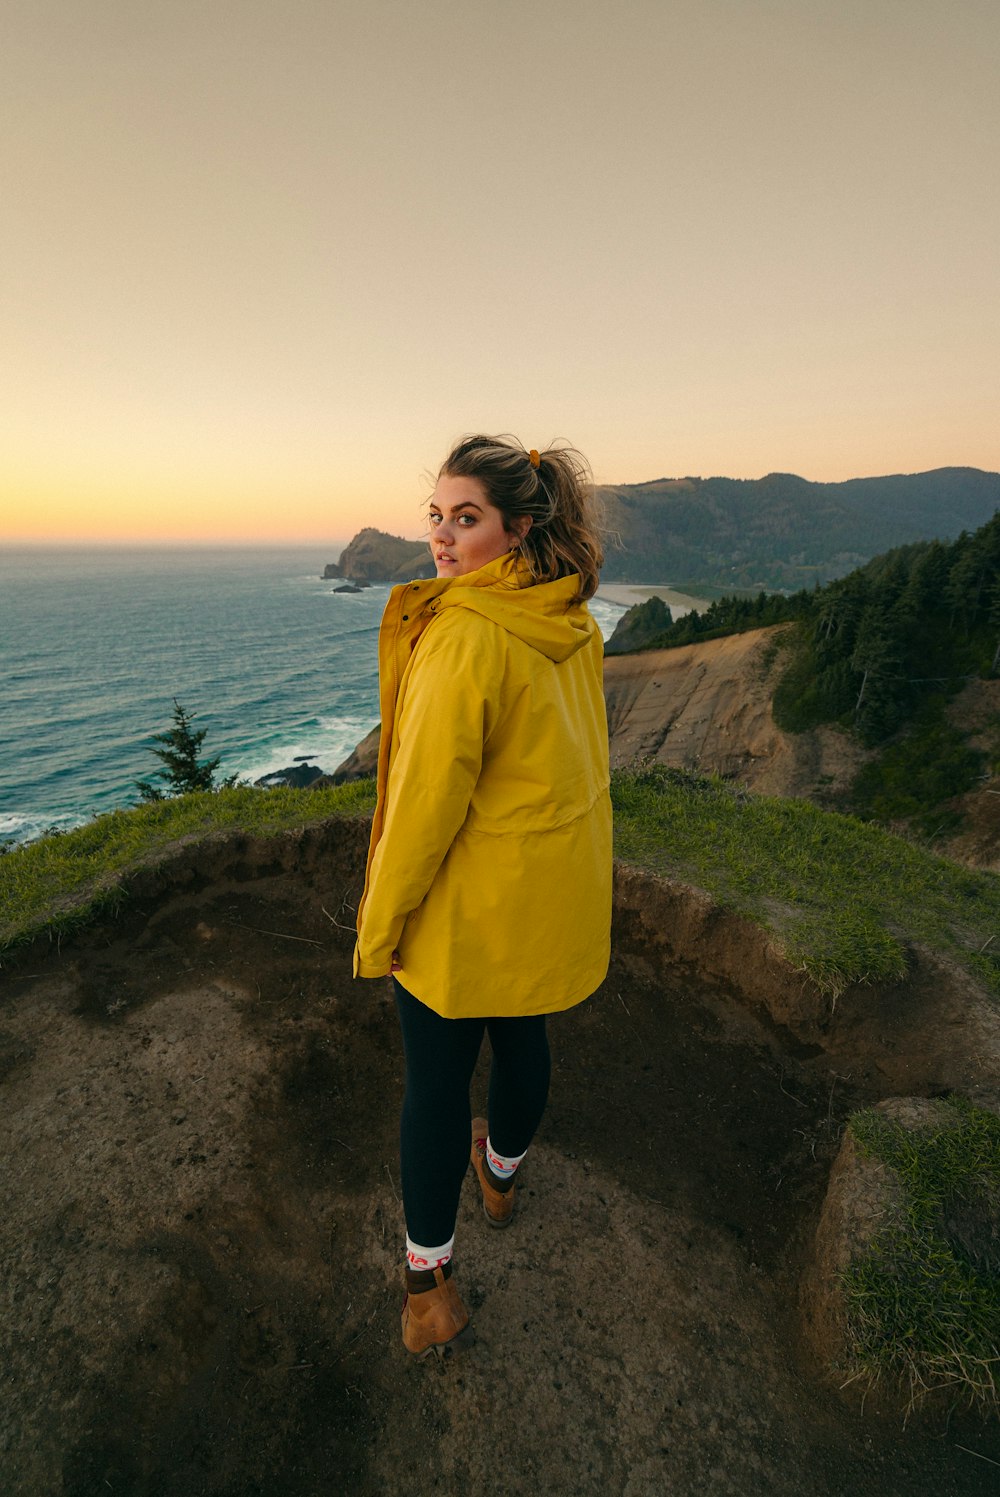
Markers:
point(201, 1228)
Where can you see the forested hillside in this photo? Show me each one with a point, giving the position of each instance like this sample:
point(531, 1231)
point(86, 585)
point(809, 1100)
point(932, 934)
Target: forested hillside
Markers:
point(882, 653)
point(782, 532)
point(911, 627)
point(885, 650)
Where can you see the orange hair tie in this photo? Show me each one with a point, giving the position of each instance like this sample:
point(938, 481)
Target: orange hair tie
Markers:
point(533, 458)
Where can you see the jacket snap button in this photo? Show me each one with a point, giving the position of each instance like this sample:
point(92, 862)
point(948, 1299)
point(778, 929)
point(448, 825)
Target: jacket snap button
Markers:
point(405, 617)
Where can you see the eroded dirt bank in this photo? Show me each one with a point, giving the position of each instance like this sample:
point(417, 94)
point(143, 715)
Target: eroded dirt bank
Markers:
point(707, 707)
point(201, 1226)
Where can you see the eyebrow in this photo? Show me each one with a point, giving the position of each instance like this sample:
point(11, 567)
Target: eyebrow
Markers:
point(465, 504)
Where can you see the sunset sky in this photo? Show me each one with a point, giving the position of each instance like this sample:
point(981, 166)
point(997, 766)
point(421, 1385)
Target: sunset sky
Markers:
point(261, 262)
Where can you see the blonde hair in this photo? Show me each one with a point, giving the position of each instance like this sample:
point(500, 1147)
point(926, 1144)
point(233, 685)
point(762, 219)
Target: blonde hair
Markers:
point(557, 496)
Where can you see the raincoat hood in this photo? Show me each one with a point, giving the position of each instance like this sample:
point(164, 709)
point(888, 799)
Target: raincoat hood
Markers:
point(544, 615)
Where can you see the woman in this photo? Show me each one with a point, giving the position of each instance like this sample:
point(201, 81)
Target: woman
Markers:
point(488, 889)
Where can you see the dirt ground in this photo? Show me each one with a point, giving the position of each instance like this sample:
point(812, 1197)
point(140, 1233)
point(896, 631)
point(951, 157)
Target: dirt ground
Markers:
point(201, 1229)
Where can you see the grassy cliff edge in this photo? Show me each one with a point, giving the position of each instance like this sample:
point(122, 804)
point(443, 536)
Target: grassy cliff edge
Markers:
point(842, 899)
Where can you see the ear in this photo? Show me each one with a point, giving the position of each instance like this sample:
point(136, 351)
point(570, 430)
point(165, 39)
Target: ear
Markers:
point(520, 527)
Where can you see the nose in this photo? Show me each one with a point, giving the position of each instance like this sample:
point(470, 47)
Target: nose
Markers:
point(445, 531)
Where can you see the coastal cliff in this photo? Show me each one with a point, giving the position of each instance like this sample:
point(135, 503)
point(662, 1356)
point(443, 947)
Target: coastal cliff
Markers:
point(707, 708)
point(375, 556)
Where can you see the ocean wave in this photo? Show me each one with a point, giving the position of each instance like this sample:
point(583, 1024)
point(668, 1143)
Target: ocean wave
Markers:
point(606, 615)
point(16, 828)
point(327, 746)
point(12, 824)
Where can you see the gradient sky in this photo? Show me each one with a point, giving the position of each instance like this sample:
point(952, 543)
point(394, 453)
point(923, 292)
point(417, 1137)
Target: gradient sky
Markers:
point(261, 261)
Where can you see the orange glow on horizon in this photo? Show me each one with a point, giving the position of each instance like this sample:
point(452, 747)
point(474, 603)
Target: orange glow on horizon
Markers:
point(260, 288)
point(58, 510)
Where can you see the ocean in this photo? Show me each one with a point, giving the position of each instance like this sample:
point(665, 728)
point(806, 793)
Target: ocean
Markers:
point(95, 645)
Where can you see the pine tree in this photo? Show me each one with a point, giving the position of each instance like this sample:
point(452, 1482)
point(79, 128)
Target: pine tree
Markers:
point(994, 619)
point(182, 770)
point(877, 656)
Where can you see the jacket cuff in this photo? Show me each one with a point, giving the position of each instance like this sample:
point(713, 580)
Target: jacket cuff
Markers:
point(370, 969)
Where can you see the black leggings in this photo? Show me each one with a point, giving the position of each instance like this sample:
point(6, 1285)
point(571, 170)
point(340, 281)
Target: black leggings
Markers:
point(435, 1129)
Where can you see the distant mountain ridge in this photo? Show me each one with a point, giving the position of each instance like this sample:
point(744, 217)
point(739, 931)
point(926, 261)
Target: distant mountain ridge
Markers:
point(782, 531)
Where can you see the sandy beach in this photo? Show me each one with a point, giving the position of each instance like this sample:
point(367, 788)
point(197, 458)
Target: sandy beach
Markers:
point(627, 594)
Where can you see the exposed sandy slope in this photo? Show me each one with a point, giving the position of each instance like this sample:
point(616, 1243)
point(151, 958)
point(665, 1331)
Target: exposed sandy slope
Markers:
point(707, 707)
point(201, 1224)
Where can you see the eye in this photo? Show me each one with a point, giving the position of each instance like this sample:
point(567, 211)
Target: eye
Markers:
point(470, 518)
point(433, 518)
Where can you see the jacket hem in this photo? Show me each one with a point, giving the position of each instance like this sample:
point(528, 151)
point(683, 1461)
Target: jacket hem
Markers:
point(579, 993)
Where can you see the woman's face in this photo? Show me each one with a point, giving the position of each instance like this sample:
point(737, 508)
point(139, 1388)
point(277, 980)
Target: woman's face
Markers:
point(466, 530)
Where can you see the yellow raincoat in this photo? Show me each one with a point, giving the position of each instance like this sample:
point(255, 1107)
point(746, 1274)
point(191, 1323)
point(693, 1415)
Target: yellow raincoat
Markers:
point(490, 860)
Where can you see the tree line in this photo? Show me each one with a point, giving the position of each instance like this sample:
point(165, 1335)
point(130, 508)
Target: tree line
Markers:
point(898, 636)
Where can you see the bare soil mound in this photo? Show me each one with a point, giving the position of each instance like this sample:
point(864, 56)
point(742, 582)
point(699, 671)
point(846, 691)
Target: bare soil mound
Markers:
point(201, 1228)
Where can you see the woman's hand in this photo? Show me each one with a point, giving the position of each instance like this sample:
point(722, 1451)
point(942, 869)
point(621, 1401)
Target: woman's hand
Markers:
point(397, 965)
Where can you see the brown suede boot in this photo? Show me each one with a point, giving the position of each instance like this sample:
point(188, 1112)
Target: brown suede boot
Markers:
point(434, 1319)
point(498, 1205)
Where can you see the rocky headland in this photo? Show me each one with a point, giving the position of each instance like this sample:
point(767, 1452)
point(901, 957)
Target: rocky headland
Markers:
point(374, 556)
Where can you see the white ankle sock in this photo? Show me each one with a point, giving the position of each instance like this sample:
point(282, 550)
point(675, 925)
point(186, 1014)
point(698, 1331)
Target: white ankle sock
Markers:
point(502, 1165)
point(419, 1257)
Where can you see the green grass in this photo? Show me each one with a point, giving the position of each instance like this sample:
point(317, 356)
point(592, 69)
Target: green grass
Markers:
point(60, 882)
point(923, 1302)
point(843, 899)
